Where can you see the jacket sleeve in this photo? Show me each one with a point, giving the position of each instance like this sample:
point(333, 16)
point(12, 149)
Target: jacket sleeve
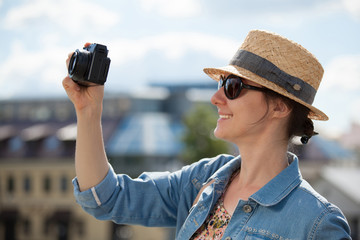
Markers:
point(148, 200)
point(152, 199)
point(331, 225)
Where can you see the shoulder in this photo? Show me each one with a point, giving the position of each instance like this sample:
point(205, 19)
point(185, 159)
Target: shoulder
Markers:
point(199, 172)
point(325, 219)
point(213, 163)
point(313, 198)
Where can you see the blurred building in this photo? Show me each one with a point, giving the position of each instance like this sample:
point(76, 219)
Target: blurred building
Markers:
point(351, 138)
point(142, 131)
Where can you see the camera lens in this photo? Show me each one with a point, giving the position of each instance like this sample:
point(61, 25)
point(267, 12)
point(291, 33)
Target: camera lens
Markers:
point(72, 63)
point(79, 65)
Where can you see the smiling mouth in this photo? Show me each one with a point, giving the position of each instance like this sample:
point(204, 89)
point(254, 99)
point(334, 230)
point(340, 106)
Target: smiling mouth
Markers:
point(225, 116)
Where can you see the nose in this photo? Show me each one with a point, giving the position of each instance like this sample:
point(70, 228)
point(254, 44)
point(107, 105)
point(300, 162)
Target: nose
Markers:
point(219, 97)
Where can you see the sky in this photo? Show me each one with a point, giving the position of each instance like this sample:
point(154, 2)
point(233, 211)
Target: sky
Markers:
point(169, 41)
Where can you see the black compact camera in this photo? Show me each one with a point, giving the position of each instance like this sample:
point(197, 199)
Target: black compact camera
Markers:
point(89, 66)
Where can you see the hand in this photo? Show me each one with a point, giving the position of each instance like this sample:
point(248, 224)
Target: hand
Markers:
point(83, 97)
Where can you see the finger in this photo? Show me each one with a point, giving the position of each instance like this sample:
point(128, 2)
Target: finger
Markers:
point(69, 84)
point(87, 44)
point(68, 59)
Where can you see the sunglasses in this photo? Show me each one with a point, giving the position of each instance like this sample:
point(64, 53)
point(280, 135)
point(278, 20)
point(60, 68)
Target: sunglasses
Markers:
point(233, 84)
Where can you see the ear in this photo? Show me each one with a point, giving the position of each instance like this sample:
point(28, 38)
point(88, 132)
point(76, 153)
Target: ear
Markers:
point(280, 109)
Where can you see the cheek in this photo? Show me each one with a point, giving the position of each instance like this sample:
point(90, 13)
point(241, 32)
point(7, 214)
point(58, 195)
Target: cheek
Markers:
point(248, 111)
point(251, 110)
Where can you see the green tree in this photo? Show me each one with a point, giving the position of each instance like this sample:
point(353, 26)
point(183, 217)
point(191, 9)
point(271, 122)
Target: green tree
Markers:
point(199, 139)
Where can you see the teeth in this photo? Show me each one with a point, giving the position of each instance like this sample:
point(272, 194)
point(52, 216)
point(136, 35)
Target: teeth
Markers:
point(226, 116)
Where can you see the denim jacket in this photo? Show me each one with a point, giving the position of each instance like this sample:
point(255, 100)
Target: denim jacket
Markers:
point(287, 207)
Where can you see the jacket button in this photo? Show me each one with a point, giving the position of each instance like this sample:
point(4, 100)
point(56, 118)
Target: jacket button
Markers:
point(247, 208)
point(228, 238)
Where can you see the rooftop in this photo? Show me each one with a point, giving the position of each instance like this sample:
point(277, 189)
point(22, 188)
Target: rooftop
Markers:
point(345, 179)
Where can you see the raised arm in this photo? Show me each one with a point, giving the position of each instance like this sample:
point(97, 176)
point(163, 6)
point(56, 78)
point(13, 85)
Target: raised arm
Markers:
point(91, 163)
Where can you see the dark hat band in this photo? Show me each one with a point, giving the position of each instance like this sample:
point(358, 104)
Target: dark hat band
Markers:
point(266, 69)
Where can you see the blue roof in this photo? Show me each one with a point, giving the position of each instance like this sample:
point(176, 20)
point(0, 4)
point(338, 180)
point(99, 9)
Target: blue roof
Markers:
point(146, 134)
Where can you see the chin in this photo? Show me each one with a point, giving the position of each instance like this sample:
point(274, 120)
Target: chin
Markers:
point(226, 136)
point(219, 134)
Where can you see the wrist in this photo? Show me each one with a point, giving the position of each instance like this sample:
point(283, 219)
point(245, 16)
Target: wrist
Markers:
point(89, 113)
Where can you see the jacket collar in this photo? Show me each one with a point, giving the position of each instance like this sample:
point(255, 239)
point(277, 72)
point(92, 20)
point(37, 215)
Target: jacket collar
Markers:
point(281, 185)
point(274, 191)
point(223, 174)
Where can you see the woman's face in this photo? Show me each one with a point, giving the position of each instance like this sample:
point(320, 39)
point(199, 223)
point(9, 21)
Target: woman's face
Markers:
point(243, 118)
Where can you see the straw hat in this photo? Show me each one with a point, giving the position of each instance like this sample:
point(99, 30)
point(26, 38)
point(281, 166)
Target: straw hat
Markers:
point(279, 64)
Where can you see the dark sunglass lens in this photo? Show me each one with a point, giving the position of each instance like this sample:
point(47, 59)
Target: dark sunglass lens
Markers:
point(232, 87)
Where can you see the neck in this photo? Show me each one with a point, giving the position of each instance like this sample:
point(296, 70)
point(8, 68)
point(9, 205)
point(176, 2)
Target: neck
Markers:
point(261, 161)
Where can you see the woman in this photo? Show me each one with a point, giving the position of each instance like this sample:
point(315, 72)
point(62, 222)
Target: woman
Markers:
point(264, 99)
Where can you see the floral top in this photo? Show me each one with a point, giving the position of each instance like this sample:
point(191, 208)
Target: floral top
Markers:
point(216, 223)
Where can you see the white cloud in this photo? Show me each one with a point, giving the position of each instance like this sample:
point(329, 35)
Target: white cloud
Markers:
point(353, 7)
point(343, 73)
point(295, 15)
point(26, 71)
point(71, 15)
point(172, 45)
point(172, 8)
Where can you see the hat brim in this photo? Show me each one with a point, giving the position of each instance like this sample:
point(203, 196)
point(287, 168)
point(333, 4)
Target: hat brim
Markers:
point(215, 74)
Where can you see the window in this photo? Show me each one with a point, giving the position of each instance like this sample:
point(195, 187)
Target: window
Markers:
point(46, 226)
point(11, 184)
point(27, 184)
point(15, 144)
point(51, 143)
point(80, 228)
point(122, 232)
point(47, 184)
point(27, 226)
point(63, 184)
